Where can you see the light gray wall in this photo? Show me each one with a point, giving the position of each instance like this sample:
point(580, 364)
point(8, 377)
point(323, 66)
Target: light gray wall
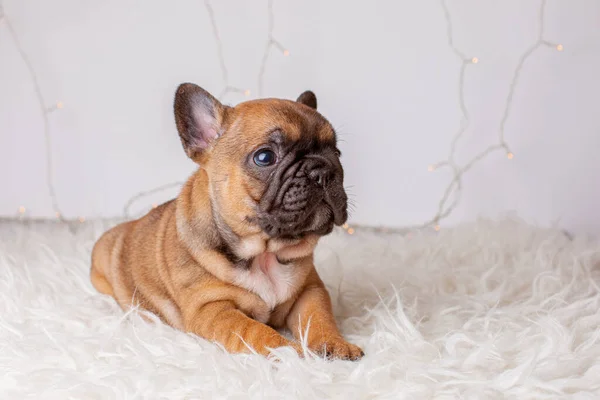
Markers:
point(385, 76)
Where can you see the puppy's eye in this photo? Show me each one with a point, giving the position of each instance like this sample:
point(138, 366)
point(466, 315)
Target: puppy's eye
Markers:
point(264, 158)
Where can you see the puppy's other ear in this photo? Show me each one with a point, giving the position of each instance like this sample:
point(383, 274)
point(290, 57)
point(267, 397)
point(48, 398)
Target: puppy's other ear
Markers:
point(198, 116)
point(308, 98)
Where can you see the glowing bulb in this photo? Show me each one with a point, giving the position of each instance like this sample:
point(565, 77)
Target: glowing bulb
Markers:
point(350, 231)
point(247, 92)
point(431, 168)
point(81, 219)
point(345, 226)
point(474, 60)
point(286, 53)
point(509, 155)
point(22, 210)
point(60, 105)
point(437, 228)
point(559, 47)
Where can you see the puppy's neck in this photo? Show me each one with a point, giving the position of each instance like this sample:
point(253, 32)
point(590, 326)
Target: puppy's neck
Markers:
point(201, 227)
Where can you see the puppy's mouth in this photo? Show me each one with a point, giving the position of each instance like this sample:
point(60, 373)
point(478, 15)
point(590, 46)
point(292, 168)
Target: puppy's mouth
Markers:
point(307, 197)
point(321, 222)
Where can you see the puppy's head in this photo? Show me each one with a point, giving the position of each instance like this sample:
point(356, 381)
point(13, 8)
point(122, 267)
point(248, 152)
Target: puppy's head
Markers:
point(272, 164)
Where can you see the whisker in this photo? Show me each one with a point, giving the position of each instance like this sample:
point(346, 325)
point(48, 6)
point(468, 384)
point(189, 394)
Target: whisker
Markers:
point(351, 206)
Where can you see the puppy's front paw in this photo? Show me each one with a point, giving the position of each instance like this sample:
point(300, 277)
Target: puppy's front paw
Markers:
point(338, 348)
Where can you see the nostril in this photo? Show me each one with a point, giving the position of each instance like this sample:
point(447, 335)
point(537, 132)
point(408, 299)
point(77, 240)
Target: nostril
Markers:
point(320, 177)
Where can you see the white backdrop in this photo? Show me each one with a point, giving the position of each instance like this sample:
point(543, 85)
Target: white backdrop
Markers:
point(384, 72)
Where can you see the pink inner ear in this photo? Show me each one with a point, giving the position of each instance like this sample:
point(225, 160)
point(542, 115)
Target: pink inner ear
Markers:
point(205, 131)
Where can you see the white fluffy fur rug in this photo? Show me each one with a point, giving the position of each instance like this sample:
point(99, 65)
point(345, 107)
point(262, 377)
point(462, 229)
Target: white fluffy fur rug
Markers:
point(482, 311)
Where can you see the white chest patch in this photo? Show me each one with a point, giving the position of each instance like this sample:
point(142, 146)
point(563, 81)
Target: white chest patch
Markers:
point(273, 282)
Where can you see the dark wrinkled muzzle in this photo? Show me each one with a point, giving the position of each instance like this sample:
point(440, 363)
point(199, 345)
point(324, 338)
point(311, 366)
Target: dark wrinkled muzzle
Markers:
point(304, 196)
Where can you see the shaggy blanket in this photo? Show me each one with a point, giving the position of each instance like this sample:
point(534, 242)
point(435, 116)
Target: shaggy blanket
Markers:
point(481, 311)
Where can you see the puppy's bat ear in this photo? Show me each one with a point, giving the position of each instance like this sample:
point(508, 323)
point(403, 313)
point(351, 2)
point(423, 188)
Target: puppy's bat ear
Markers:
point(198, 116)
point(308, 98)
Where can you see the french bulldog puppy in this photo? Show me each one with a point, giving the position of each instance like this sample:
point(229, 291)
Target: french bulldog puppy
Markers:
point(231, 258)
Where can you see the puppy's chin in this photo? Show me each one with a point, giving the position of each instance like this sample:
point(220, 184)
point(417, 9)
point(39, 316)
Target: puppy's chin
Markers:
point(321, 223)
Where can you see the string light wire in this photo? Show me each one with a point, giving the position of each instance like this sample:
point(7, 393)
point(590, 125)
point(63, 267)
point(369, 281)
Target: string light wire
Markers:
point(455, 185)
point(228, 88)
point(271, 42)
point(145, 193)
point(44, 111)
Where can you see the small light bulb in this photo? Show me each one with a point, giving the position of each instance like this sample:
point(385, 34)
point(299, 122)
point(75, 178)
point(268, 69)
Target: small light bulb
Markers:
point(345, 226)
point(431, 168)
point(351, 231)
point(286, 52)
point(22, 210)
point(474, 60)
point(81, 219)
point(60, 105)
point(559, 47)
point(509, 155)
point(437, 228)
point(247, 92)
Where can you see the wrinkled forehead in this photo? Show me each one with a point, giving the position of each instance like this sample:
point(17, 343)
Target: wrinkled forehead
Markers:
point(282, 120)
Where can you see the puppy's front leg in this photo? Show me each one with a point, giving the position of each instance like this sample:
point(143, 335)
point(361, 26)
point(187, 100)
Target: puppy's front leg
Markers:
point(222, 322)
point(313, 307)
